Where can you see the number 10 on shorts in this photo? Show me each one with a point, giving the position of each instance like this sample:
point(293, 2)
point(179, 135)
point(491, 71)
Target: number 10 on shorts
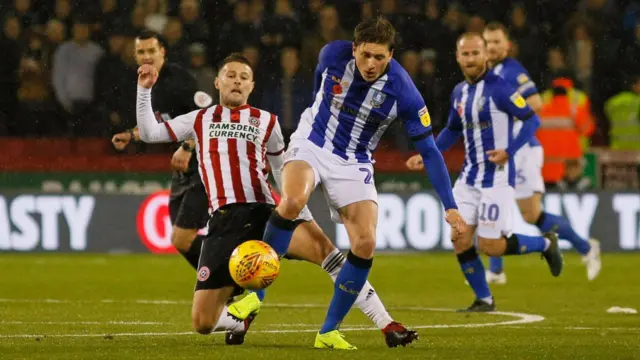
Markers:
point(489, 212)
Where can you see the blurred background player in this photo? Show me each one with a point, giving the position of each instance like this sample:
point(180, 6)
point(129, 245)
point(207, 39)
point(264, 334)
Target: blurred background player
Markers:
point(529, 185)
point(483, 110)
point(309, 243)
point(359, 91)
point(530, 158)
point(175, 94)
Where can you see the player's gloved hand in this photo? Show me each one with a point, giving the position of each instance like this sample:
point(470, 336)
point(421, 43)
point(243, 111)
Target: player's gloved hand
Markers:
point(498, 156)
point(180, 160)
point(415, 163)
point(121, 140)
point(147, 76)
point(456, 221)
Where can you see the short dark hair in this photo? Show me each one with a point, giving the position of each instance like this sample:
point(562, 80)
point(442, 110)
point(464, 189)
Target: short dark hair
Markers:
point(148, 34)
point(470, 34)
point(497, 26)
point(235, 57)
point(376, 31)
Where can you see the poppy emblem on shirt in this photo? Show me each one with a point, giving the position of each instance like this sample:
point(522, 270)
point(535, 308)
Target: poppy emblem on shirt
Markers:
point(235, 117)
point(337, 89)
point(461, 109)
point(254, 121)
point(378, 98)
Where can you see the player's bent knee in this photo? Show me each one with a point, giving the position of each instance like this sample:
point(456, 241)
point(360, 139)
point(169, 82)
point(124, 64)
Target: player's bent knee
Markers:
point(363, 246)
point(530, 216)
point(462, 242)
point(201, 324)
point(290, 206)
point(461, 245)
point(530, 209)
point(492, 247)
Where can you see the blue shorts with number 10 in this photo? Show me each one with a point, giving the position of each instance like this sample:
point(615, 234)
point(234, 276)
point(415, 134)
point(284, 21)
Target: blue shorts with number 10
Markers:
point(488, 208)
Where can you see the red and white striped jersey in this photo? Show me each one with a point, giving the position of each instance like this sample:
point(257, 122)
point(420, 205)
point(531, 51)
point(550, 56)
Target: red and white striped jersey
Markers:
point(231, 147)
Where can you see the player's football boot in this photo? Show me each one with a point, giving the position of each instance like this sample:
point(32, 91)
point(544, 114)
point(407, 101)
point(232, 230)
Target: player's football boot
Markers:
point(495, 278)
point(246, 306)
point(592, 260)
point(396, 334)
point(552, 255)
point(480, 306)
point(237, 338)
point(332, 340)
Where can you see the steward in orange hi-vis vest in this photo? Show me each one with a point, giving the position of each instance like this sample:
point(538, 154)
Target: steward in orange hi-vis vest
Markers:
point(564, 120)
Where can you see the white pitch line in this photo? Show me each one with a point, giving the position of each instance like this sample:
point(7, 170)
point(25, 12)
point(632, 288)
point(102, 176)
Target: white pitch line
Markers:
point(9, 322)
point(578, 328)
point(521, 319)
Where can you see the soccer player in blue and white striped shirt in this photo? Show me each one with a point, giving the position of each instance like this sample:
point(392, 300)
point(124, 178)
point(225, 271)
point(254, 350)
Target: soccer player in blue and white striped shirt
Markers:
point(529, 183)
point(359, 91)
point(484, 110)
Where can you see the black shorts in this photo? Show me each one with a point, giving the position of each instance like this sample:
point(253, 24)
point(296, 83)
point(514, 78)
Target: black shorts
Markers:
point(190, 210)
point(229, 226)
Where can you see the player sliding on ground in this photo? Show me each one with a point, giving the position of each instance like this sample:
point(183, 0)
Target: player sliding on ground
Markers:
point(483, 110)
point(529, 185)
point(359, 91)
point(231, 139)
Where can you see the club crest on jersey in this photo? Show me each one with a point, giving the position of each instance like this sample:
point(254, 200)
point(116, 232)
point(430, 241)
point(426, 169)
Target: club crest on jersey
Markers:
point(518, 100)
point(254, 121)
point(481, 103)
point(378, 98)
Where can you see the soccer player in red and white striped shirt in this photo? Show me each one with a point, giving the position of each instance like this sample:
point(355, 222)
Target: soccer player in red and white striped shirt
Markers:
point(232, 142)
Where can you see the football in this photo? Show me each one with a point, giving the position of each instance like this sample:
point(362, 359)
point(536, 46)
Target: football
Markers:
point(254, 265)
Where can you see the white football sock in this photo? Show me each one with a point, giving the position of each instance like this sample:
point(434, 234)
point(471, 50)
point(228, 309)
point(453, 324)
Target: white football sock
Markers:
point(547, 243)
point(368, 300)
point(227, 322)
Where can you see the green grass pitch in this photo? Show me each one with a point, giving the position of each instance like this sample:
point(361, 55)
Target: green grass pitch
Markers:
point(138, 307)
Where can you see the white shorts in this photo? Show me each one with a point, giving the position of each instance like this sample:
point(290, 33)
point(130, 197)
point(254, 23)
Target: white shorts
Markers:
point(490, 209)
point(343, 183)
point(529, 161)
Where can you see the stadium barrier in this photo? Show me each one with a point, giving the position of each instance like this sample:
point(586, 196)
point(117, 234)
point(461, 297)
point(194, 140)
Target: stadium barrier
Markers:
point(407, 221)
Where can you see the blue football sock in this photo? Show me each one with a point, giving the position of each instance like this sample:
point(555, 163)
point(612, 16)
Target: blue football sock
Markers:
point(473, 270)
point(547, 221)
point(347, 287)
point(496, 264)
point(261, 294)
point(278, 233)
point(518, 244)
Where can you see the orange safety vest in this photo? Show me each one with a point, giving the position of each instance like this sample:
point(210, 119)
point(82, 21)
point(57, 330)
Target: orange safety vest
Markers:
point(562, 124)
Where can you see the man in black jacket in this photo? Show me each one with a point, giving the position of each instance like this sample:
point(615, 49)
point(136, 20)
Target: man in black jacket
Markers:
point(175, 93)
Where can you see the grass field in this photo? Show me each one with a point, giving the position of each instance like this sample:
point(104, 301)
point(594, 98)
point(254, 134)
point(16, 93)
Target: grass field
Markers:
point(138, 307)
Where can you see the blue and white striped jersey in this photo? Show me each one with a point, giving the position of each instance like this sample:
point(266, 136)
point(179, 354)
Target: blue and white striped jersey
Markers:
point(517, 76)
point(485, 112)
point(349, 115)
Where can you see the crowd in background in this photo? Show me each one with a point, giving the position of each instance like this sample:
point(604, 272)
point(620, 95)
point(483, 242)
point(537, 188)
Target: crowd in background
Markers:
point(73, 59)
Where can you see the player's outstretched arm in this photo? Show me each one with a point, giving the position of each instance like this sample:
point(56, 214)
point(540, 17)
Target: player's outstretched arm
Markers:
point(447, 138)
point(178, 129)
point(439, 176)
point(436, 168)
